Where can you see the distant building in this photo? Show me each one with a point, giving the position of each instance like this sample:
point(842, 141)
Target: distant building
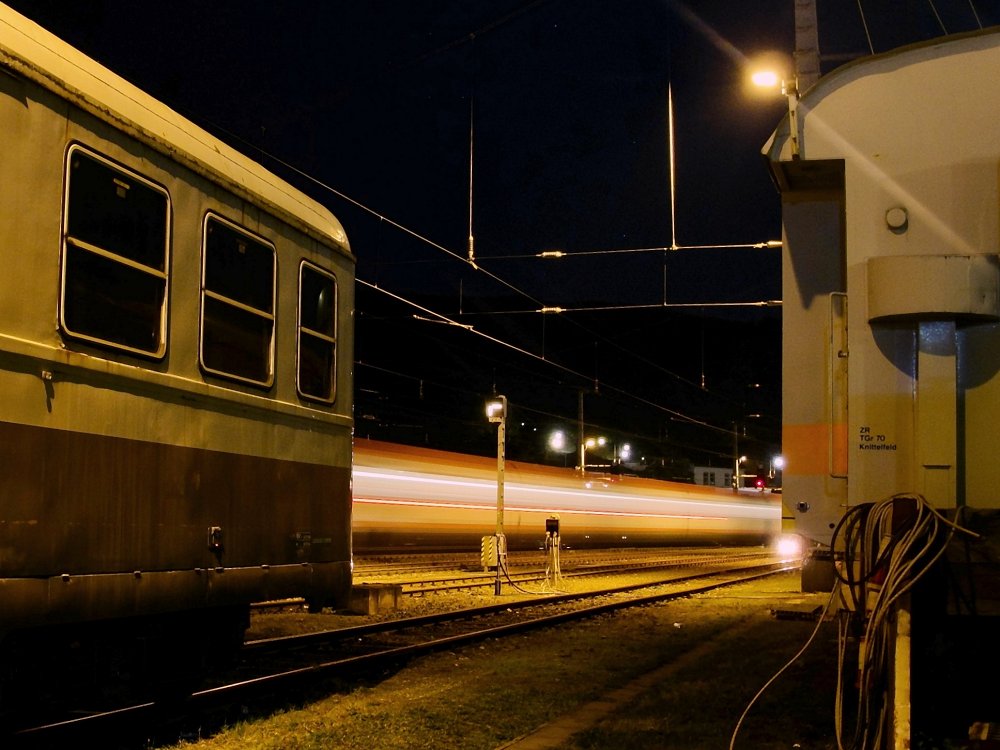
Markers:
point(713, 476)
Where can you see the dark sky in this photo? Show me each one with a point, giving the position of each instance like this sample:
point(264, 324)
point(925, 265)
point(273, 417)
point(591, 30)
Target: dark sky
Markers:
point(567, 100)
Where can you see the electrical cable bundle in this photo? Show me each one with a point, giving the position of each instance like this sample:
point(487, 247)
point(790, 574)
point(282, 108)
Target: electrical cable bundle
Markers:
point(887, 547)
point(513, 583)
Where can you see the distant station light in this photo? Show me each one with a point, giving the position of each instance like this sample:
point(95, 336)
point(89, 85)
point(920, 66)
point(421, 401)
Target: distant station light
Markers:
point(557, 440)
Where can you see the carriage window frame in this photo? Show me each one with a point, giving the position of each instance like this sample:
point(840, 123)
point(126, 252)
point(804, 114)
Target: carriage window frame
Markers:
point(230, 305)
point(87, 250)
point(316, 337)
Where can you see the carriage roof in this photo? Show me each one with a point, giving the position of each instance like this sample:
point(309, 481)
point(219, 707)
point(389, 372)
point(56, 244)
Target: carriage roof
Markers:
point(37, 55)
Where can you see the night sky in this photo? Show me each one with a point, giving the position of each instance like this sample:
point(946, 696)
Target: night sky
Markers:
point(370, 106)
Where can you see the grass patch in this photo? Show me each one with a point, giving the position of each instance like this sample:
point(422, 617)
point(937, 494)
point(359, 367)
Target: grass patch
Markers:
point(484, 695)
point(701, 705)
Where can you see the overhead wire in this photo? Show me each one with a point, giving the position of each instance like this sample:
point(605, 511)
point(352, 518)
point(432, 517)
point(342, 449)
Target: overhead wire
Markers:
point(551, 414)
point(937, 16)
point(975, 14)
point(406, 230)
point(542, 307)
point(934, 11)
point(864, 23)
point(634, 250)
point(550, 310)
point(470, 260)
point(660, 439)
point(440, 317)
point(444, 320)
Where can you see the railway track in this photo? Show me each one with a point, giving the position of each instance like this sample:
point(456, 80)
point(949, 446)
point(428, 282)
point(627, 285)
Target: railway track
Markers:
point(420, 577)
point(279, 671)
point(388, 565)
point(420, 586)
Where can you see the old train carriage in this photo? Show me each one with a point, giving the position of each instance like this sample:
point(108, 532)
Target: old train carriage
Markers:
point(175, 371)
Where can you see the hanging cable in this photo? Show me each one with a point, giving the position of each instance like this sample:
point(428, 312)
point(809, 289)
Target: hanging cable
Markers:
point(887, 548)
point(789, 663)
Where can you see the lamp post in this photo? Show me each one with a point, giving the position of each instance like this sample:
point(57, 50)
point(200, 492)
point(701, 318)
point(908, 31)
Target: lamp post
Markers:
point(777, 464)
point(496, 412)
point(624, 453)
point(770, 75)
point(591, 442)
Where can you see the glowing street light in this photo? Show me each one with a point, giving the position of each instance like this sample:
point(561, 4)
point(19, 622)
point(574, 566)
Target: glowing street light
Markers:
point(591, 442)
point(766, 79)
point(557, 441)
point(496, 409)
point(625, 453)
point(769, 73)
point(736, 478)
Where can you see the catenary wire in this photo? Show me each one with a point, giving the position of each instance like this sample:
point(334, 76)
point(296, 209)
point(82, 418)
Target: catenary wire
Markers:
point(520, 350)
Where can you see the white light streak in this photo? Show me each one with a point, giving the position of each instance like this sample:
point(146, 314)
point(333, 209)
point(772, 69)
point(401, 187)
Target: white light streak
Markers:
point(399, 486)
point(516, 509)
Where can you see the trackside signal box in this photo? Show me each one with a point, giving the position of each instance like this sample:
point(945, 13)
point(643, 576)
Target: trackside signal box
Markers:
point(488, 555)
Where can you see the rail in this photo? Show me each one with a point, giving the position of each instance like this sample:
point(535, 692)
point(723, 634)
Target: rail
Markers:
point(309, 666)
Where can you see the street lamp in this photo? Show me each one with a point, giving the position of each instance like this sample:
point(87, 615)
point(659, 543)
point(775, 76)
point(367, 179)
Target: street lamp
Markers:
point(561, 444)
point(768, 76)
point(624, 453)
point(496, 412)
point(557, 441)
point(591, 442)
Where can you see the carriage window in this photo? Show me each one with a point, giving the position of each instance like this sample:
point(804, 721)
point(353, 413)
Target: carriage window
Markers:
point(114, 269)
point(317, 337)
point(237, 303)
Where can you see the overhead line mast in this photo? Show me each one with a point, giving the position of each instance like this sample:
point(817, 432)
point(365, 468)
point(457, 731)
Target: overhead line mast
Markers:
point(807, 70)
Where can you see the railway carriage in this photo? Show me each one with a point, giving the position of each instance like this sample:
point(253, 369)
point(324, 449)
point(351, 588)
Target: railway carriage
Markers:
point(889, 183)
point(175, 375)
point(418, 499)
point(888, 171)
